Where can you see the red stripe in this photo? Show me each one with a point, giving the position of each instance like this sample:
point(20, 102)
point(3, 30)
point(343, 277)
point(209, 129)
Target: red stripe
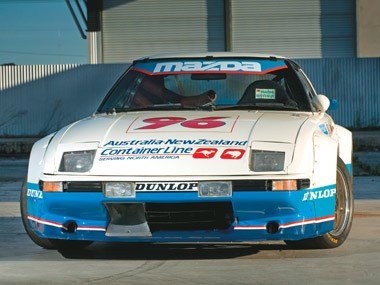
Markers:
point(131, 124)
point(233, 126)
point(287, 224)
point(250, 227)
point(44, 221)
point(61, 225)
point(308, 220)
point(91, 227)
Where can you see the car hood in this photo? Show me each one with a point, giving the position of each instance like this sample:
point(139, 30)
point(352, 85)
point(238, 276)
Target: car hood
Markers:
point(184, 143)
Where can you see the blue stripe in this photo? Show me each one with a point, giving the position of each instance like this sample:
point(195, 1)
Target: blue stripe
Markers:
point(33, 186)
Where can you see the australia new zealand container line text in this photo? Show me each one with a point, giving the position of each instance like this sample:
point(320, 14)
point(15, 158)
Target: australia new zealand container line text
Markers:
point(176, 142)
point(149, 152)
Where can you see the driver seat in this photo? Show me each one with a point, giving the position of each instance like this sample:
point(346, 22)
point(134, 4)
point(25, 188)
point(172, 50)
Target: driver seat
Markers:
point(264, 91)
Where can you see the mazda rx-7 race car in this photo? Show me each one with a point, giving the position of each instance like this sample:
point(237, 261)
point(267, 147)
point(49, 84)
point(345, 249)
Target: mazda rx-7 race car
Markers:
point(220, 147)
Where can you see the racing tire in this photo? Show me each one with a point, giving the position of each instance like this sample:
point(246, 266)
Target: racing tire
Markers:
point(344, 208)
point(45, 242)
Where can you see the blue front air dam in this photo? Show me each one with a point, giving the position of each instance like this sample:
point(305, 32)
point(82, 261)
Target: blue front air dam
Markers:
point(298, 215)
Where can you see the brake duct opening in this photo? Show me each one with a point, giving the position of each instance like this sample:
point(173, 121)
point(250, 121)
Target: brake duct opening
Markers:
point(127, 219)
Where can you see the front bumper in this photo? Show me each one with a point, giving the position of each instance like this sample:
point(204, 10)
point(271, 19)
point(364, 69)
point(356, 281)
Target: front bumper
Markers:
point(253, 215)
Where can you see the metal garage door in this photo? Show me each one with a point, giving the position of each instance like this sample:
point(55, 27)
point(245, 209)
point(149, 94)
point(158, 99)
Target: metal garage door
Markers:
point(132, 29)
point(295, 28)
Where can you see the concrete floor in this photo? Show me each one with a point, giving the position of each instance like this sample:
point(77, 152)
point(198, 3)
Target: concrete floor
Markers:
point(22, 262)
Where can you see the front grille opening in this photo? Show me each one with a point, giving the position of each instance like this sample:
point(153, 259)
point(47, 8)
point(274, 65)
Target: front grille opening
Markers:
point(82, 186)
point(189, 216)
point(238, 185)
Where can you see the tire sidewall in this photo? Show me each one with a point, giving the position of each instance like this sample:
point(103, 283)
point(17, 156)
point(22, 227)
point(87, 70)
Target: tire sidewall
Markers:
point(45, 242)
point(42, 242)
point(329, 240)
point(336, 240)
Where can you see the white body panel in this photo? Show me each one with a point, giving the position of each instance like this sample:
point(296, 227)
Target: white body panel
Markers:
point(170, 150)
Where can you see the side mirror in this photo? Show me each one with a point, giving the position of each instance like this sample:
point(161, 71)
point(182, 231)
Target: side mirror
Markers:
point(321, 102)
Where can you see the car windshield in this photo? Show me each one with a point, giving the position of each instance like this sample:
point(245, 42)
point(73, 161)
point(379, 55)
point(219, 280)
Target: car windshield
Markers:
point(215, 84)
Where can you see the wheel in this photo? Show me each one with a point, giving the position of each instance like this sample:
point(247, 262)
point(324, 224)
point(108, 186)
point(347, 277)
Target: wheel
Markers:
point(44, 242)
point(344, 208)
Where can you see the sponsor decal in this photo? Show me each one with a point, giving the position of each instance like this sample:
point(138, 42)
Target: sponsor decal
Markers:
point(318, 194)
point(268, 94)
point(170, 152)
point(205, 153)
point(169, 149)
point(200, 123)
point(134, 142)
point(178, 66)
point(158, 142)
point(34, 194)
point(181, 124)
point(166, 186)
point(326, 128)
point(210, 66)
point(232, 153)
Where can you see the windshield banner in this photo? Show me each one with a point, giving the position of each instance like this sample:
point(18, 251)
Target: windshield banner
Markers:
point(210, 66)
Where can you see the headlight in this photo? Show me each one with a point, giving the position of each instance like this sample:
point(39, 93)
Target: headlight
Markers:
point(215, 189)
point(77, 161)
point(263, 161)
point(119, 190)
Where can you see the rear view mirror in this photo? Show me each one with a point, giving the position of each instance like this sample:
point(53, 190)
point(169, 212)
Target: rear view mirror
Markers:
point(208, 76)
point(321, 103)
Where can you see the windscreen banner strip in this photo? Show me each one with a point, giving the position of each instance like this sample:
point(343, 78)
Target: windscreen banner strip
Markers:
point(207, 66)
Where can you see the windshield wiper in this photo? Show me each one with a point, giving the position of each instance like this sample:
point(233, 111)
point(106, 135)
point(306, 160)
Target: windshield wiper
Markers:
point(139, 108)
point(157, 107)
point(257, 106)
point(206, 107)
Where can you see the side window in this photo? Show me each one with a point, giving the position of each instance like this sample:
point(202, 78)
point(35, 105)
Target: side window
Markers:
point(289, 78)
point(122, 93)
point(306, 82)
point(307, 85)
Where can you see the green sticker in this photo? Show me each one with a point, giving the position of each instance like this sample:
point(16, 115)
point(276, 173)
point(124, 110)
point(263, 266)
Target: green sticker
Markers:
point(265, 94)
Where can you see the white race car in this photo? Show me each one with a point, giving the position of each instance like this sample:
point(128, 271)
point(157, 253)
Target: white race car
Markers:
point(219, 147)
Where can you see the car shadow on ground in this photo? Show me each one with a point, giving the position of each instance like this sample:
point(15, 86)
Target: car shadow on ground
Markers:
point(119, 251)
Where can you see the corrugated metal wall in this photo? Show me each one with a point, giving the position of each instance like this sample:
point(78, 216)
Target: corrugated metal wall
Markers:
point(42, 106)
point(290, 28)
point(294, 28)
point(354, 82)
point(11, 76)
point(133, 29)
point(338, 28)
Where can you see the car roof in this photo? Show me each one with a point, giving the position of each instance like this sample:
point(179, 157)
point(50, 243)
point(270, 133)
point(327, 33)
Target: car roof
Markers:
point(211, 55)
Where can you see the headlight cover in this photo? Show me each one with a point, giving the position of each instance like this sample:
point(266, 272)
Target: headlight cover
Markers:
point(215, 189)
point(119, 190)
point(77, 161)
point(267, 161)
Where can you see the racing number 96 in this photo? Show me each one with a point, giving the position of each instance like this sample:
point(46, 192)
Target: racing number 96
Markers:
point(200, 123)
